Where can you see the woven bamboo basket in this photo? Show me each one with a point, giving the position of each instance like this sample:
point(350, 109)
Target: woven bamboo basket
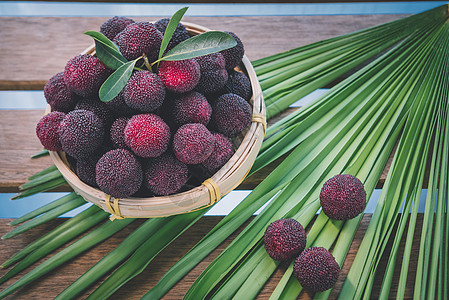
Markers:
point(247, 146)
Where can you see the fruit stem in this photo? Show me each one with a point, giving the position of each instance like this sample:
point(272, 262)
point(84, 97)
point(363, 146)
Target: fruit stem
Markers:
point(147, 63)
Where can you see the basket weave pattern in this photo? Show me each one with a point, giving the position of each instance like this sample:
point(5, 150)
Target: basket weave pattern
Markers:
point(211, 191)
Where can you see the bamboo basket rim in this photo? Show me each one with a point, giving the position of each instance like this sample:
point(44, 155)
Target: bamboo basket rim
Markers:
point(212, 190)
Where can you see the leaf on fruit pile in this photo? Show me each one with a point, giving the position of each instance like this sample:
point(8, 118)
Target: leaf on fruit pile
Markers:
point(117, 81)
point(202, 44)
point(171, 27)
point(106, 50)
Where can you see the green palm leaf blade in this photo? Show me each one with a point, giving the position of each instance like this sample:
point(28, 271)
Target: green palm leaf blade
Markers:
point(113, 258)
point(53, 213)
point(94, 237)
point(44, 209)
point(62, 232)
point(146, 252)
point(58, 237)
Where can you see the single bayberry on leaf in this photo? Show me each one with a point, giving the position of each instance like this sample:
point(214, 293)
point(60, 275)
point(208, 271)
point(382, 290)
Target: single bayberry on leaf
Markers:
point(316, 269)
point(343, 197)
point(284, 239)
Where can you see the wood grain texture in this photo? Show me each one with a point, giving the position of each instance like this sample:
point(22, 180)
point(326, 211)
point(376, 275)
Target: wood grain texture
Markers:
point(42, 45)
point(56, 281)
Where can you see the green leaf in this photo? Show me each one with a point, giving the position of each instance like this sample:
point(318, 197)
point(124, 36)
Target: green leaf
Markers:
point(171, 27)
point(117, 81)
point(106, 50)
point(203, 44)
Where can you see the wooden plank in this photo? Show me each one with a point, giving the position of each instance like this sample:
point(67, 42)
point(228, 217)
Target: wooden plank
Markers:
point(35, 48)
point(52, 284)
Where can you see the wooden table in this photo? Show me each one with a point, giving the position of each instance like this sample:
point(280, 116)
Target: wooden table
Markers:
point(34, 48)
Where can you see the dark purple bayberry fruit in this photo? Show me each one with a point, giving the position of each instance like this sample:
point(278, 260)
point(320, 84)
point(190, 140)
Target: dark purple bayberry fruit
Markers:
point(100, 109)
point(192, 107)
point(119, 107)
point(239, 84)
point(85, 168)
point(165, 175)
point(84, 74)
point(147, 135)
point(284, 239)
point(119, 173)
point(343, 197)
point(193, 143)
point(316, 269)
point(180, 76)
point(144, 91)
point(180, 34)
point(231, 114)
point(117, 132)
point(139, 38)
point(213, 73)
point(58, 95)
point(81, 133)
point(223, 151)
point(47, 130)
point(233, 56)
point(114, 25)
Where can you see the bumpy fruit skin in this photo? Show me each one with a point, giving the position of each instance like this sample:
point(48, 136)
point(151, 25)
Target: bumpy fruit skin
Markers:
point(85, 168)
point(231, 114)
point(114, 25)
point(58, 95)
point(284, 239)
point(239, 84)
point(180, 34)
point(47, 130)
point(233, 56)
point(213, 73)
point(165, 175)
point(144, 91)
point(316, 269)
point(343, 197)
point(180, 76)
point(193, 143)
point(81, 132)
point(100, 109)
point(84, 74)
point(117, 132)
point(119, 173)
point(147, 135)
point(119, 107)
point(139, 38)
point(192, 107)
point(223, 151)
